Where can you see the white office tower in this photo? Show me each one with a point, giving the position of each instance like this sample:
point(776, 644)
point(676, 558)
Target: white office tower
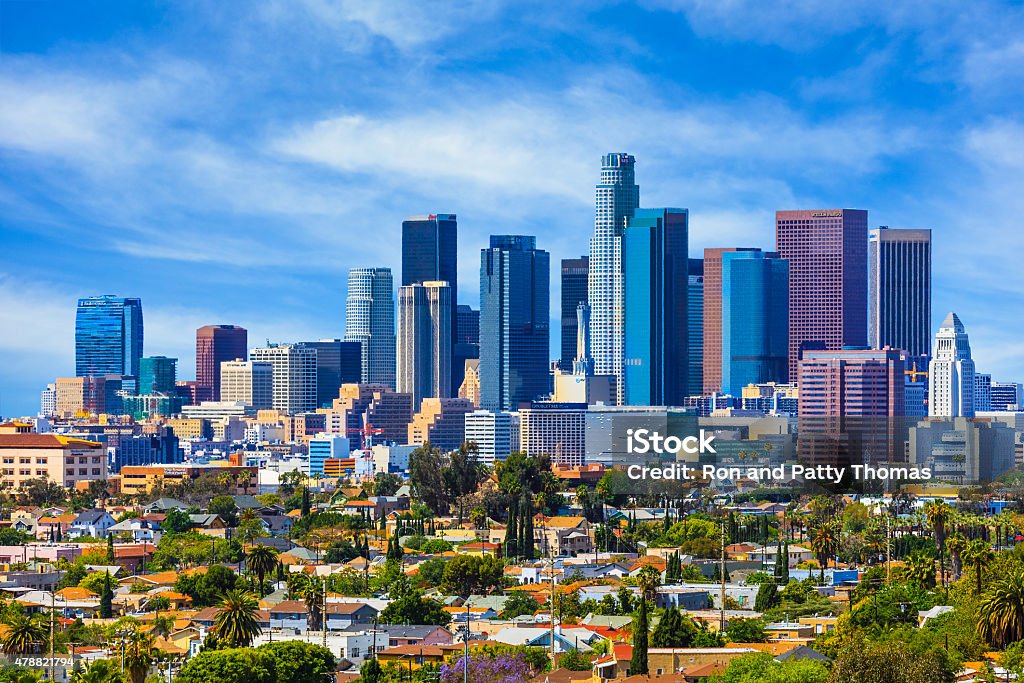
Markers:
point(424, 352)
point(370, 320)
point(247, 382)
point(617, 197)
point(48, 401)
point(294, 375)
point(951, 372)
point(496, 434)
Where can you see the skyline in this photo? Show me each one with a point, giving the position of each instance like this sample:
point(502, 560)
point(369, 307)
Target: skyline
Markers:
point(135, 161)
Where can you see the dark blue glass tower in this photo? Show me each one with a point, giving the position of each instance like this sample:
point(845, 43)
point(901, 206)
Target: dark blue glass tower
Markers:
point(157, 375)
point(514, 322)
point(656, 273)
point(108, 336)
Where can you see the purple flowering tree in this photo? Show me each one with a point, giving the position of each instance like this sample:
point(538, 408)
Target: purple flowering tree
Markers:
point(506, 668)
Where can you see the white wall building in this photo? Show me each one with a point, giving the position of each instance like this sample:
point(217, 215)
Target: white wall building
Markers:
point(247, 382)
point(951, 372)
point(294, 372)
point(495, 433)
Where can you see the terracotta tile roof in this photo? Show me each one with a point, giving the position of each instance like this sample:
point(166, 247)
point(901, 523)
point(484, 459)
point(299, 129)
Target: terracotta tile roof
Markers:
point(33, 440)
point(76, 593)
point(564, 522)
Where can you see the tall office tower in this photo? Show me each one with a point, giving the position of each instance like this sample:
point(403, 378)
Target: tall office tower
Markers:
point(951, 372)
point(466, 345)
point(982, 392)
point(424, 340)
point(496, 435)
point(214, 345)
point(712, 312)
point(470, 388)
point(157, 375)
point(48, 401)
point(656, 273)
point(617, 197)
point(370, 320)
point(374, 413)
point(575, 276)
point(557, 430)
point(108, 336)
point(851, 403)
point(441, 421)
point(514, 321)
point(294, 373)
point(755, 328)
point(337, 362)
point(248, 382)
point(900, 289)
point(1007, 396)
point(695, 327)
point(828, 274)
point(430, 247)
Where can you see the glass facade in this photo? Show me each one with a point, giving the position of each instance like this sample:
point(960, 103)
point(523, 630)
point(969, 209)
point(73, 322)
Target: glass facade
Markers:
point(337, 362)
point(575, 272)
point(108, 336)
point(370, 320)
point(157, 375)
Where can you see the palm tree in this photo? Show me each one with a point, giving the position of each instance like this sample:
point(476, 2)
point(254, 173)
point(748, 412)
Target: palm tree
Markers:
point(956, 546)
point(23, 636)
point(825, 543)
point(976, 555)
point(139, 655)
point(236, 622)
point(1002, 610)
point(262, 561)
point(938, 514)
point(100, 671)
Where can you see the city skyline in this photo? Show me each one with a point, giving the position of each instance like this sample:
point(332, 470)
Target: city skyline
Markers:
point(211, 217)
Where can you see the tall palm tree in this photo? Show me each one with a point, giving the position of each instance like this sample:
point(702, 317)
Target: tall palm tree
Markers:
point(139, 655)
point(262, 561)
point(956, 545)
point(976, 555)
point(237, 623)
point(24, 635)
point(938, 514)
point(100, 671)
point(1002, 610)
point(825, 543)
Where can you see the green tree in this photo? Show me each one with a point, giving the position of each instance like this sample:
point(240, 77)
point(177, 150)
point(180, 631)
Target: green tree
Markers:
point(409, 606)
point(574, 660)
point(1001, 609)
point(647, 580)
point(225, 507)
point(761, 667)
point(107, 598)
point(471, 575)
point(237, 623)
point(977, 555)
point(767, 597)
point(519, 603)
point(674, 630)
point(745, 631)
point(176, 522)
point(99, 671)
point(23, 635)
point(261, 561)
point(139, 655)
point(110, 550)
point(889, 662)
point(278, 662)
point(371, 671)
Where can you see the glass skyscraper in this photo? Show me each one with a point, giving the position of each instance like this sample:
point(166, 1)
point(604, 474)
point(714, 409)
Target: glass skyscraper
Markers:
point(424, 341)
point(616, 197)
point(514, 322)
point(755, 323)
point(157, 375)
point(337, 362)
point(370, 320)
point(900, 290)
point(108, 336)
point(656, 267)
point(216, 344)
point(575, 275)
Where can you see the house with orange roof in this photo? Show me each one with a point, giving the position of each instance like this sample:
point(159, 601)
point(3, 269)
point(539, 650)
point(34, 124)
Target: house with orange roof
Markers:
point(564, 535)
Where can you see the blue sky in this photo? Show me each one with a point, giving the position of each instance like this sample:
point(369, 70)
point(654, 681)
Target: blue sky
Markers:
point(228, 162)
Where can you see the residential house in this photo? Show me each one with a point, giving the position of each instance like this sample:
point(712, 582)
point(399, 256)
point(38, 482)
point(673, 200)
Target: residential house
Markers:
point(138, 530)
point(290, 614)
point(564, 536)
point(347, 615)
point(94, 523)
point(398, 634)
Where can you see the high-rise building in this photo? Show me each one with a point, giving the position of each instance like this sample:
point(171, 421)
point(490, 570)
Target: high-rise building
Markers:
point(695, 327)
point(1007, 396)
point(470, 387)
point(755, 327)
point(157, 375)
point(712, 314)
point(160, 448)
point(370, 320)
point(982, 392)
point(323, 447)
point(496, 434)
point(514, 321)
point(424, 340)
point(575, 279)
point(616, 198)
point(467, 324)
point(337, 362)
point(951, 372)
point(214, 345)
point(48, 401)
point(373, 413)
point(557, 430)
point(900, 289)
point(828, 274)
point(580, 384)
point(108, 336)
point(89, 395)
point(430, 247)
point(248, 382)
point(441, 421)
point(294, 373)
point(656, 274)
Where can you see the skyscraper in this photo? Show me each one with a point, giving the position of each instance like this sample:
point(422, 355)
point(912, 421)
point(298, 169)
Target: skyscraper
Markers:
point(370, 320)
point(900, 289)
point(951, 372)
point(248, 382)
point(157, 375)
point(514, 321)
point(466, 345)
point(1006, 395)
point(108, 336)
point(616, 198)
point(656, 274)
point(695, 327)
point(337, 362)
point(214, 345)
point(294, 375)
point(575, 275)
point(430, 247)
point(982, 392)
point(712, 314)
point(828, 270)
point(424, 340)
point(755, 326)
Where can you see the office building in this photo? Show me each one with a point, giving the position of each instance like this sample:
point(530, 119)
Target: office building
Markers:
point(771, 398)
point(92, 395)
point(249, 383)
point(712, 318)
point(828, 274)
point(157, 375)
point(900, 289)
point(607, 427)
point(961, 450)
point(575, 279)
point(62, 460)
point(214, 345)
point(142, 407)
point(294, 375)
point(466, 345)
point(323, 447)
point(554, 429)
point(160, 448)
point(337, 362)
point(580, 384)
point(755, 326)
point(695, 327)
point(370, 320)
point(982, 392)
point(48, 401)
point(430, 246)
point(496, 434)
point(441, 421)
point(514, 322)
point(616, 198)
point(470, 388)
point(1006, 396)
point(424, 340)
point(374, 413)
point(108, 336)
point(951, 372)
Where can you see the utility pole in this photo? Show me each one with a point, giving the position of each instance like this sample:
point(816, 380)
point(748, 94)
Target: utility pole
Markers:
point(888, 548)
point(721, 596)
point(323, 616)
